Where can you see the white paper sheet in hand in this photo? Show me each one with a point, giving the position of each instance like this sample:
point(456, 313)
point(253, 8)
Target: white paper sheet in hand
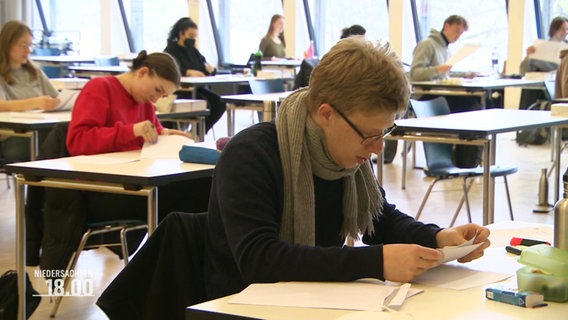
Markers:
point(462, 53)
point(456, 252)
point(167, 147)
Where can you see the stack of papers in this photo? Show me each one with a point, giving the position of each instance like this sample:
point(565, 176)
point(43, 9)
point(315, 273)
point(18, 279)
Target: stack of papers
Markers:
point(371, 294)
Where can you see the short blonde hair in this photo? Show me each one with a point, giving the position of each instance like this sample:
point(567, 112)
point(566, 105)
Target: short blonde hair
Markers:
point(356, 75)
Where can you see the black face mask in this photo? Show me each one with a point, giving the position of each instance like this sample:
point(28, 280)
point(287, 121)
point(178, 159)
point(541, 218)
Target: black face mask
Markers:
point(189, 43)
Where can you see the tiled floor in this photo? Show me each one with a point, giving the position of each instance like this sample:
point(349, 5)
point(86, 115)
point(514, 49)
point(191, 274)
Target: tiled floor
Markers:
point(100, 266)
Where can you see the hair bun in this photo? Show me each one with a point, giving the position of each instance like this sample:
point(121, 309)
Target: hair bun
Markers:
point(137, 62)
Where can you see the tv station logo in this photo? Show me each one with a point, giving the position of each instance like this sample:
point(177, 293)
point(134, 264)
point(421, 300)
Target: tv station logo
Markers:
point(68, 283)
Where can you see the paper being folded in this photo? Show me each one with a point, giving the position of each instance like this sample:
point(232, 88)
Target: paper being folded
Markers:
point(456, 252)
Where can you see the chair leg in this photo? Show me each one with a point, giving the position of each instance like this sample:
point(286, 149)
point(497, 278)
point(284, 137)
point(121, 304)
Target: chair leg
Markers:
point(425, 198)
point(70, 266)
point(124, 243)
point(508, 197)
point(404, 159)
point(463, 200)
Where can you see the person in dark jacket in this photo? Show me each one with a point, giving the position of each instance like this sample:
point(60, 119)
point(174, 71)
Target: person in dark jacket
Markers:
point(287, 195)
point(181, 45)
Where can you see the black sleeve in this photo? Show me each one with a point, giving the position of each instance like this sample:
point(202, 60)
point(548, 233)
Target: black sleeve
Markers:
point(393, 226)
point(248, 192)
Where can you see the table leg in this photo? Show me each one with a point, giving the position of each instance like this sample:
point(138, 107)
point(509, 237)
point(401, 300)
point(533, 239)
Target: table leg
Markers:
point(152, 209)
point(34, 145)
point(487, 197)
point(231, 121)
point(556, 146)
point(268, 110)
point(21, 244)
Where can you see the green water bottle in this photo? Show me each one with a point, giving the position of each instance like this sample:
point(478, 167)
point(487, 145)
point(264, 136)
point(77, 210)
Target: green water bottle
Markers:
point(257, 62)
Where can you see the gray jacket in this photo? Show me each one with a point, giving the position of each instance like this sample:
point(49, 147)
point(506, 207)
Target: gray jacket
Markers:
point(428, 54)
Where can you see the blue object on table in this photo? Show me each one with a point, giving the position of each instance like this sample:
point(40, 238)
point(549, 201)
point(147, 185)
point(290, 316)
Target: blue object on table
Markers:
point(198, 155)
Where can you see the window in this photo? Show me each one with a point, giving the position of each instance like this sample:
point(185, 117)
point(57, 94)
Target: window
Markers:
point(329, 17)
point(77, 33)
point(82, 31)
point(241, 25)
point(151, 21)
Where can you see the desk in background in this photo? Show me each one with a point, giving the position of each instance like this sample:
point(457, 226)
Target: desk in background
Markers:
point(268, 105)
point(480, 128)
point(196, 118)
point(89, 71)
point(288, 67)
point(129, 175)
point(433, 304)
point(62, 59)
point(480, 87)
point(27, 124)
point(190, 83)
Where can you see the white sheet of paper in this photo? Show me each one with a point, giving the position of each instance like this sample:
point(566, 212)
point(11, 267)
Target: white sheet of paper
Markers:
point(67, 98)
point(456, 252)
point(330, 295)
point(462, 53)
point(548, 50)
point(167, 147)
point(400, 295)
point(458, 277)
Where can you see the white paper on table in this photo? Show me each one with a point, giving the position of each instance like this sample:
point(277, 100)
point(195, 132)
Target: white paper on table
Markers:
point(167, 147)
point(548, 50)
point(370, 294)
point(462, 53)
point(458, 277)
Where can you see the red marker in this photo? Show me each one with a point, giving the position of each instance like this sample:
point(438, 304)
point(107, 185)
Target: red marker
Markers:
point(526, 242)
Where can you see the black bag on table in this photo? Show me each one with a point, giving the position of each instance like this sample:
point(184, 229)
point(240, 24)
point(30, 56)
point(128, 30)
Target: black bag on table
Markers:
point(9, 296)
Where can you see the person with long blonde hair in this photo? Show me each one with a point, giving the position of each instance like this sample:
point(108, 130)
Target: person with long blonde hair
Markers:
point(273, 44)
point(23, 86)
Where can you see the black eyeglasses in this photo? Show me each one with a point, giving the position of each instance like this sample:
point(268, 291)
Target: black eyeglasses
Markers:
point(366, 140)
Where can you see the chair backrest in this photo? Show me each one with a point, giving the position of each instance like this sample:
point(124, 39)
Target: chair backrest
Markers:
point(107, 61)
point(52, 72)
point(47, 52)
point(266, 86)
point(303, 77)
point(550, 86)
point(438, 155)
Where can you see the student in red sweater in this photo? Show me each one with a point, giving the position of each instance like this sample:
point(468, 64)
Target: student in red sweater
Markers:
point(115, 113)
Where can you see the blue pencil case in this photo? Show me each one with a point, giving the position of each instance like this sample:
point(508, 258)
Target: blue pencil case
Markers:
point(198, 155)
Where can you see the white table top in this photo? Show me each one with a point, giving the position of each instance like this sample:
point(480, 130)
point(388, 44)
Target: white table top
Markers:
point(480, 83)
point(101, 69)
point(218, 79)
point(249, 97)
point(433, 303)
point(481, 122)
point(282, 63)
point(32, 120)
point(63, 59)
point(120, 167)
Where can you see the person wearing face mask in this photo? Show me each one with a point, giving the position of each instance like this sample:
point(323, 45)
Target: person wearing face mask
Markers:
point(191, 63)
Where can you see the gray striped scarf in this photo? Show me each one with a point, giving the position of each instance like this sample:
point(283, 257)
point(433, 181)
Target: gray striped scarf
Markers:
point(304, 154)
